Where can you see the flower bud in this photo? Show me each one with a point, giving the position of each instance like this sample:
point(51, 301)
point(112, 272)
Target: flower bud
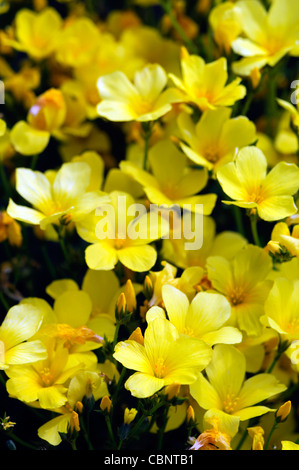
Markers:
point(283, 412)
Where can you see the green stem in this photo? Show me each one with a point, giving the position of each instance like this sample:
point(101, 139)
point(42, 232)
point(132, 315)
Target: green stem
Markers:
point(147, 129)
point(242, 440)
point(270, 435)
point(238, 219)
point(255, 235)
point(34, 161)
point(3, 300)
point(167, 7)
point(4, 180)
point(110, 430)
point(15, 438)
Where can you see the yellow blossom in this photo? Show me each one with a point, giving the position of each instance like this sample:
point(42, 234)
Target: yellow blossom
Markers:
point(127, 242)
point(37, 32)
point(257, 435)
point(81, 385)
point(65, 195)
point(284, 239)
point(281, 313)
point(204, 84)
point(216, 137)
point(44, 382)
point(171, 181)
point(225, 20)
point(227, 390)
point(10, 230)
point(213, 437)
point(165, 357)
point(145, 100)
point(204, 318)
point(245, 180)
point(243, 280)
point(130, 414)
point(269, 35)
point(17, 345)
point(45, 116)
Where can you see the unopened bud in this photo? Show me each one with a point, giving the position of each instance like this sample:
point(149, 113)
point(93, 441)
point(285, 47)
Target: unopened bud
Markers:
point(283, 411)
point(137, 336)
point(148, 288)
point(172, 390)
point(121, 307)
point(130, 415)
point(106, 404)
point(130, 296)
point(190, 414)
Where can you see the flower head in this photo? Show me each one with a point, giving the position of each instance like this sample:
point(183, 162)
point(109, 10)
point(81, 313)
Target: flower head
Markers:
point(269, 35)
point(144, 100)
point(227, 390)
point(205, 84)
point(165, 358)
point(53, 199)
point(245, 180)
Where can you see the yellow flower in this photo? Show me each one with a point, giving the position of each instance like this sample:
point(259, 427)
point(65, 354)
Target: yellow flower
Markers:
point(257, 435)
point(243, 280)
point(269, 35)
point(245, 180)
point(44, 382)
point(292, 110)
point(145, 100)
point(20, 324)
point(78, 41)
point(2, 127)
point(52, 200)
point(171, 181)
point(81, 385)
point(226, 244)
point(213, 437)
point(225, 20)
point(285, 239)
point(101, 287)
point(216, 137)
point(165, 358)
point(289, 445)
point(281, 312)
point(37, 32)
point(203, 318)
point(45, 116)
point(10, 230)
point(227, 390)
point(127, 242)
point(205, 84)
point(130, 414)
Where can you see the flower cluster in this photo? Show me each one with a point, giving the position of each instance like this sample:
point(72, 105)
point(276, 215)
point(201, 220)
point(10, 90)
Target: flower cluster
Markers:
point(149, 225)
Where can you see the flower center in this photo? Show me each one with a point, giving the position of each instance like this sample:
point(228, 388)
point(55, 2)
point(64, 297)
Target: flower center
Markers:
point(46, 377)
point(293, 326)
point(211, 154)
point(237, 296)
point(230, 403)
point(159, 368)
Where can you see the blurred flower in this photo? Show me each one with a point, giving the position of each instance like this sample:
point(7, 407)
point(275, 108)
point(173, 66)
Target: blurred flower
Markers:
point(37, 33)
point(269, 35)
